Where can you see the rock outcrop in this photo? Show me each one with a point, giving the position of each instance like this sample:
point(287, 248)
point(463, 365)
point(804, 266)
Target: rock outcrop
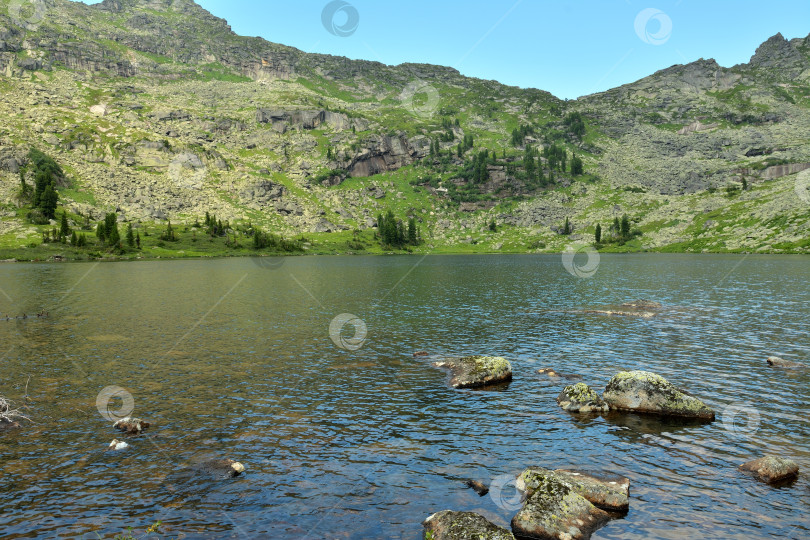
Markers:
point(772, 469)
point(646, 392)
point(476, 371)
point(451, 525)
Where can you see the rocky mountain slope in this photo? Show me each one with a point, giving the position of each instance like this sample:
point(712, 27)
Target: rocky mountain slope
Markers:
point(156, 109)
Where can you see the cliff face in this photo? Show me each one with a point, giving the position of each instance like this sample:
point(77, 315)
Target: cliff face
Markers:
point(160, 110)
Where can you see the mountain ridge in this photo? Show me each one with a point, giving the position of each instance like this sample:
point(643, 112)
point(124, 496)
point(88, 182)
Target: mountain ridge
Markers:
point(157, 109)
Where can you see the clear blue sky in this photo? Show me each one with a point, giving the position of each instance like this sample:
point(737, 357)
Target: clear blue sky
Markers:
point(569, 48)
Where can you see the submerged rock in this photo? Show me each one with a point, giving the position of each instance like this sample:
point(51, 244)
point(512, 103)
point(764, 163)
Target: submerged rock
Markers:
point(225, 468)
point(8, 424)
point(131, 425)
point(556, 505)
point(643, 304)
point(775, 361)
point(772, 469)
point(555, 375)
point(479, 487)
point(646, 392)
point(581, 398)
point(637, 308)
point(610, 493)
point(477, 371)
point(417, 354)
point(451, 525)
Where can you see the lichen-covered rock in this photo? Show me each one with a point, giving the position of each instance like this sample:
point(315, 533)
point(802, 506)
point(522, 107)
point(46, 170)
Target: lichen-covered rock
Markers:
point(772, 469)
point(646, 392)
point(554, 509)
point(131, 425)
point(451, 525)
point(775, 361)
point(477, 371)
point(581, 398)
point(608, 492)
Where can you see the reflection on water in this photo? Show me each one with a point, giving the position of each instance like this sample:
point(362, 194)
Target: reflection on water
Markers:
point(231, 359)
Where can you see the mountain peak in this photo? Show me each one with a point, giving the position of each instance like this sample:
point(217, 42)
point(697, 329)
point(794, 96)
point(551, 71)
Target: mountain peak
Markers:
point(779, 53)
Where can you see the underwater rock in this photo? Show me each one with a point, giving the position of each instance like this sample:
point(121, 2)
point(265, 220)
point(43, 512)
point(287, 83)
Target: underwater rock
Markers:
point(224, 468)
point(646, 392)
point(775, 361)
point(479, 487)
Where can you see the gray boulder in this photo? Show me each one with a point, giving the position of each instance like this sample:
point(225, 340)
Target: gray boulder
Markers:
point(451, 525)
point(646, 392)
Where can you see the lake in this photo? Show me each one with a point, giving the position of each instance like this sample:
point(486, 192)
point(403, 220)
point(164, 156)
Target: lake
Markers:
point(344, 434)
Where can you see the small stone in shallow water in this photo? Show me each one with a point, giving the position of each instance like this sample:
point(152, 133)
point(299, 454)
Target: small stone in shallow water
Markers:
point(417, 354)
point(226, 468)
point(131, 425)
point(775, 361)
point(117, 445)
point(451, 525)
point(478, 487)
point(772, 469)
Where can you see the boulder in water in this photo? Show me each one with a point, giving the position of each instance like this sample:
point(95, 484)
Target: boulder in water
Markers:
point(117, 445)
point(646, 392)
point(479, 487)
point(775, 361)
point(555, 375)
point(477, 371)
point(772, 469)
point(451, 525)
point(580, 398)
point(557, 505)
point(131, 425)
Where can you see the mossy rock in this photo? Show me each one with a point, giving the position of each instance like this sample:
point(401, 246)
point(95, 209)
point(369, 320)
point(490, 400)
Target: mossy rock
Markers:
point(477, 371)
point(451, 525)
point(607, 492)
point(772, 469)
point(582, 399)
point(553, 509)
point(646, 392)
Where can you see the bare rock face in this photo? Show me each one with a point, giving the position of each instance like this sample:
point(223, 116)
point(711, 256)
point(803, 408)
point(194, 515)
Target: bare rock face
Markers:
point(775, 361)
point(581, 398)
point(565, 504)
point(645, 392)
point(476, 371)
point(450, 525)
point(772, 469)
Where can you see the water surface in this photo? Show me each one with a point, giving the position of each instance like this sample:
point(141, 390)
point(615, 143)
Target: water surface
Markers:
point(231, 359)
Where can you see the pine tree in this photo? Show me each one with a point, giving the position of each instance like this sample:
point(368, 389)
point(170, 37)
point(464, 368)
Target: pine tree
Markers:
point(625, 227)
point(138, 240)
point(492, 226)
point(412, 236)
point(74, 240)
point(567, 227)
point(101, 232)
point(130, 236)
point(598, 233)
point(64, 229)
point(114, 238)
point(48, 202)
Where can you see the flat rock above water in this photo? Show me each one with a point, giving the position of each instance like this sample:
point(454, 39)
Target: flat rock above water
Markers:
point(476, 371)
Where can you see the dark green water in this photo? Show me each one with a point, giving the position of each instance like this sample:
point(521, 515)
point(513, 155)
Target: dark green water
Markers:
point(231, 359)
